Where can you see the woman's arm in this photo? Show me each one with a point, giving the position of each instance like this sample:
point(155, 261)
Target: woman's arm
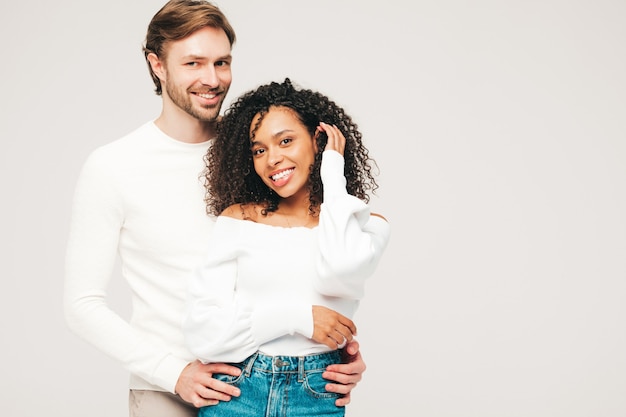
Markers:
point(351, 240)
point(221, 324)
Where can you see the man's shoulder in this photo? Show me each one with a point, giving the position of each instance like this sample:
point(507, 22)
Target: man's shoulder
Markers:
point(115, 153)
point(133, 138)
point(130, 142)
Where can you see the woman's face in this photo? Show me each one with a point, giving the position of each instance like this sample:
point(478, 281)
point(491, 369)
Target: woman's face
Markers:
point(283, 152)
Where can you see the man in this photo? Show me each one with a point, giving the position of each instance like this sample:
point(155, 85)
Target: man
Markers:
point(141, 197)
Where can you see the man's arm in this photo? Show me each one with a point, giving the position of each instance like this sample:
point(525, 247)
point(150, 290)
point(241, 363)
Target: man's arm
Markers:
point(96, 221)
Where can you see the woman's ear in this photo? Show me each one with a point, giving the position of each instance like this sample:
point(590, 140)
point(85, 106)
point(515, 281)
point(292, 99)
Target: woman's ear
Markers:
point(317, 136)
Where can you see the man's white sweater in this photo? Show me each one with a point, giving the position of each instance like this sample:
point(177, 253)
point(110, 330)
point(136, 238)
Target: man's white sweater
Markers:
point(140, 197)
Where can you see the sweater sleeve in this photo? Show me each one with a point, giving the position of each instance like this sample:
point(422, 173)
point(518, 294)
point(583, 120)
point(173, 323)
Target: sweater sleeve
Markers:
point(221, 325)
point(351, 241)
point(97, 217)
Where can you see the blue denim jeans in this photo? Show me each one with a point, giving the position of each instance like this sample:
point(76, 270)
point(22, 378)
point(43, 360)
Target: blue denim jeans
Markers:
point(280, 386)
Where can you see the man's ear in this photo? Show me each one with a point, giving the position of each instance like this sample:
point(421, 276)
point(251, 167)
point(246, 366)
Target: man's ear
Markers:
point(157, 65)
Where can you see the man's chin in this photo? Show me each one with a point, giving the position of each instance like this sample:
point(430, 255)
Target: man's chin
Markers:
point(204, 116)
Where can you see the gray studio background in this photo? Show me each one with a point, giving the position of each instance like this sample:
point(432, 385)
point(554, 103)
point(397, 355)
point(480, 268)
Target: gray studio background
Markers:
point(500, 131)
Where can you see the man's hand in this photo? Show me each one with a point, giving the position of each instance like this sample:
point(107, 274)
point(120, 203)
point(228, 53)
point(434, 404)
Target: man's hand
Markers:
point(197, 386)
point(347, 374)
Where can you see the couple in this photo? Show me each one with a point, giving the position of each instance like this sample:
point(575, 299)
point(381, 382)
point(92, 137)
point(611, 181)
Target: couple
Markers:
point(141, 197)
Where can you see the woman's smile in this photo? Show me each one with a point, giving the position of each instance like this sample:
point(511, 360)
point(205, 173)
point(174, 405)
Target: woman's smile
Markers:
point(282, 177)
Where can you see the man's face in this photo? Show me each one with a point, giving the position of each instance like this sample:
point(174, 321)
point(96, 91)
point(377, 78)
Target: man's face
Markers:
point(197, 73)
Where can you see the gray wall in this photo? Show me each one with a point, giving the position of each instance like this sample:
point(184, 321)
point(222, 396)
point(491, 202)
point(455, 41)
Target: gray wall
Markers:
point(500, 131)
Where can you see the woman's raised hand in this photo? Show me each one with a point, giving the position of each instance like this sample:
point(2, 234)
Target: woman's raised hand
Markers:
point(336, 139)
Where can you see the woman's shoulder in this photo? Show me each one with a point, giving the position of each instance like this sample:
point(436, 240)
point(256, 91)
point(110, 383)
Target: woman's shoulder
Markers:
point(243, 212)
point(379, 215)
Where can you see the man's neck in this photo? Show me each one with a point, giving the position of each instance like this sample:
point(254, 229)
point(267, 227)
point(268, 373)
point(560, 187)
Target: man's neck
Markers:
point(185, 128)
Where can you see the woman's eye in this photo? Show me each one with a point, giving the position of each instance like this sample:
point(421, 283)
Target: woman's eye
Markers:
point(285, 141)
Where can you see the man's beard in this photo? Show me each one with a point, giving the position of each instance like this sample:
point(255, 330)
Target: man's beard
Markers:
point(183, 101)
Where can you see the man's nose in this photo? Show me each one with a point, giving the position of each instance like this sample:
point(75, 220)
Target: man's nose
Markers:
point(209, 76)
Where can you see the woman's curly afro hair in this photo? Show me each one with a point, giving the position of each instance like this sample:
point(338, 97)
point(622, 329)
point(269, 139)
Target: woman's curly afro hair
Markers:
point(229, 175)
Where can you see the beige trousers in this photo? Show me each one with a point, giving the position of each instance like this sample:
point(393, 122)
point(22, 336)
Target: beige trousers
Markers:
point(145, 403)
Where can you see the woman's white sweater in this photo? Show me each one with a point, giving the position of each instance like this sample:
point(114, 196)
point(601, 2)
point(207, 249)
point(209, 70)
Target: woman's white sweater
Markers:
point(258, 283)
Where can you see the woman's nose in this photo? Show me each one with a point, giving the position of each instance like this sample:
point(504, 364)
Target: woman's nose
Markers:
point(275, 158)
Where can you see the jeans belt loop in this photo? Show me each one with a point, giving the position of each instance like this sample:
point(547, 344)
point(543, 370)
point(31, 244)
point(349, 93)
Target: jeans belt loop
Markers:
point(248, 368)
point(300, 368)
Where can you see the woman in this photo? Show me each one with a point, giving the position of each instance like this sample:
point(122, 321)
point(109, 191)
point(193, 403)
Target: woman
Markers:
point(293, 244)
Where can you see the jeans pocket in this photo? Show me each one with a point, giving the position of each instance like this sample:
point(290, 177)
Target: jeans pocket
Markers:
point(316, 385)
point(230, 379)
